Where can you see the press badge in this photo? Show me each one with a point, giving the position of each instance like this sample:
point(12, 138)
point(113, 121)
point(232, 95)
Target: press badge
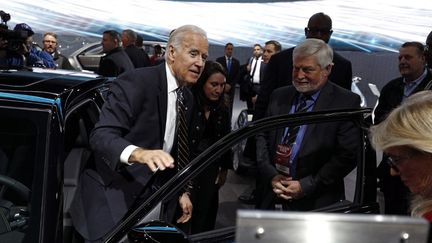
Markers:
point(282, 159)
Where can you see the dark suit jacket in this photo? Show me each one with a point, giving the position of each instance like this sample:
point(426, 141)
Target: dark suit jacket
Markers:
point(135, 113)
point(392, 94)
point(328, 151)
point(114, 63)
point(138, 56)
point(278, 73)
point(233, 74)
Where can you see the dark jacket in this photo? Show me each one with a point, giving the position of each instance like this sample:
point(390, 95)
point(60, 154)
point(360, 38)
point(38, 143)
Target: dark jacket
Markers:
point(135, 113)
point(138, 56)
point(328, 151)
point(391, 96)
point(114, 63)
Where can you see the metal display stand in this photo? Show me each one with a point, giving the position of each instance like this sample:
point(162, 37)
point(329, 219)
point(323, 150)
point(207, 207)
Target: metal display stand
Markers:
point(306, 227)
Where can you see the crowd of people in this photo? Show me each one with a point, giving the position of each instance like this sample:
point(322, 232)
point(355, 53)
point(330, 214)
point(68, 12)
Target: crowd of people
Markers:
point(139, 141)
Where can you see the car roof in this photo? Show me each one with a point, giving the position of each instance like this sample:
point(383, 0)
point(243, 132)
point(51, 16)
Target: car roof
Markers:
point(45, 86)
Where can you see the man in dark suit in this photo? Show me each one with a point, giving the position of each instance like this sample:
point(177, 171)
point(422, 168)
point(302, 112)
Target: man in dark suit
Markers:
point(415, 76)
point(320, 155)
point(137, 55)
point(279, 69)
point(232, 67)
point(135, 138)
point(116, 61)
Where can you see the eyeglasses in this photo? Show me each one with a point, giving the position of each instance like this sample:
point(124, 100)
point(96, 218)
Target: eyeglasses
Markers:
point(395, 161)
point(315, 31)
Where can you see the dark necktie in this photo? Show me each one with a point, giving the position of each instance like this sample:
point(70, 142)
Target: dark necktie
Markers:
point(229, 65)
point(293, 130)
point(182, 131)
point(182, 136)
point(254, 68)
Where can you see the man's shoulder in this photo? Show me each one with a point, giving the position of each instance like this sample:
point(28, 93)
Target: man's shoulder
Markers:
point(338, 58)
point(396, 82)
point(148, 77)
point(283, 54)
point(220, 59)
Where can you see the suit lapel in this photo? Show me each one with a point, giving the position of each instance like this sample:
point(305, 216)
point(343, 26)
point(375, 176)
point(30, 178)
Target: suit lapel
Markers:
point(162, 102)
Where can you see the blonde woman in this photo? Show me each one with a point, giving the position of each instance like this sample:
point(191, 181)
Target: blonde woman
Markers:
point(406, 138)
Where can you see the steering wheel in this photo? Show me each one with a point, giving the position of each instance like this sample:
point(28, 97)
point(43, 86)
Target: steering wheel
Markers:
point(13, 217)
point(22, 190)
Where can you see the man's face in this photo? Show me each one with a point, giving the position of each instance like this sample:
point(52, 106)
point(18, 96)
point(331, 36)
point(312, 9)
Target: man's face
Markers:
point(269, 50)
point(229, 50)
point(49, 44)
point(257, 51)
point(318, 28)
point(108, 43)
point(187, 62)
point(411, 63)
point(125, 40)
point(308, 76)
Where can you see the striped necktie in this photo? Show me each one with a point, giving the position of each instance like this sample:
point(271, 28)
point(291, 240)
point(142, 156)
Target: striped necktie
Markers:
point(293, 130)
point(182, 131)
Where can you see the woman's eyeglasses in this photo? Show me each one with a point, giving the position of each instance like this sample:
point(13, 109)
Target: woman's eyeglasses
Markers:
point(395, 161)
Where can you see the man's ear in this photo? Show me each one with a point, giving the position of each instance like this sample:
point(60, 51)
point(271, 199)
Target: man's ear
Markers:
point(170, 51)
point(328, 69)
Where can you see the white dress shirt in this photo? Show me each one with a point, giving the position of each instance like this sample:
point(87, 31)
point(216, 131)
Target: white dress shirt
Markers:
point(170, 119)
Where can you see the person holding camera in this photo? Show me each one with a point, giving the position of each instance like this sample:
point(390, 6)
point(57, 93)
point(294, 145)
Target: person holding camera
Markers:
point(24, 54)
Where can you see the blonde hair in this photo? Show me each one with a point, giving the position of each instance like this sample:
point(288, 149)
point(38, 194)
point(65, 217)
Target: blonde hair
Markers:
point(410, 124)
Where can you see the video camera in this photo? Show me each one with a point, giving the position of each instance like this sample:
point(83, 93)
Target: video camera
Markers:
point(11, 40)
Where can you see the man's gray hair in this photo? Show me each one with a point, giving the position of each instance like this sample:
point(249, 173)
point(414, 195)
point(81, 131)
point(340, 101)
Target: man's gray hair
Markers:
point(178, 35)
point(315, 47)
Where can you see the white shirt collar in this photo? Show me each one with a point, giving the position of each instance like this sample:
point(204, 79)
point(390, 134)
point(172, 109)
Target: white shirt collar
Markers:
point(171, 81)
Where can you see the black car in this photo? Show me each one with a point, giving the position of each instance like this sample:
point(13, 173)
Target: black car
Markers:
point(44, 115)
point(142, 224)
point(47, 117)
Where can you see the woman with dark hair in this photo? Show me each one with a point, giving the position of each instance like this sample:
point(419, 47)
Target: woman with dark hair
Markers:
point(210, 122)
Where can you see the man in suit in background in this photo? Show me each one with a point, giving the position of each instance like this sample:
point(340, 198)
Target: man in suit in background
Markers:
point(232, 67)
point(279, 69)
point(320, 155)
point(137, 55)
point(415, 76)
point(135, 138)
point(116, 61)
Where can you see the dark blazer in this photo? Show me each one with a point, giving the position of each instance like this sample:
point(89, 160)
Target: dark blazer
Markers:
point(232, 76)
point(328, 151)
point(61, 61)
point(278, 73)
point(392, 94)
point(138, 56)
point(114, 63)
point(135, 113)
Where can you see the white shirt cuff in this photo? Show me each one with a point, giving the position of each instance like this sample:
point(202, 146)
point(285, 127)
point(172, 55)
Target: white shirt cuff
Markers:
point(124, 156)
